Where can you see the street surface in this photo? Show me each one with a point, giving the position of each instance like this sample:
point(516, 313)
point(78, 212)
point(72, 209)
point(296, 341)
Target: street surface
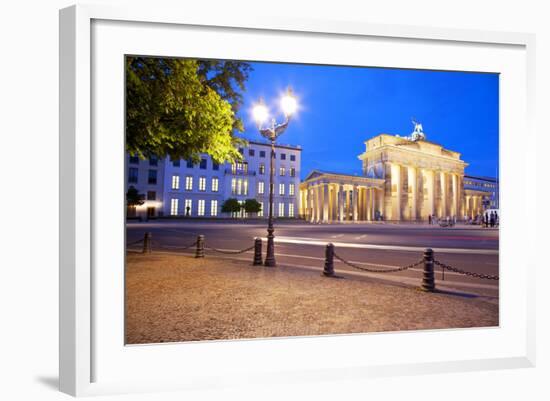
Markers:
point(302, 245)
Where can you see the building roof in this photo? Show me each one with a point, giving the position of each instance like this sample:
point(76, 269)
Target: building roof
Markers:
point(481, 178)
point(404, 138)
point(332, 173)
point(291, 147)
point(316, 173)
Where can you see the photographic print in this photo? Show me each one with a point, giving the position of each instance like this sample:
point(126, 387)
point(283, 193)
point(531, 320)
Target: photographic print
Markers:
point(267, 199)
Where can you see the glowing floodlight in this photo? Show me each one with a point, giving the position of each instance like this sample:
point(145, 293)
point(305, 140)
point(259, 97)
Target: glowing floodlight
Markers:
point(289, 103)
point(260, 112)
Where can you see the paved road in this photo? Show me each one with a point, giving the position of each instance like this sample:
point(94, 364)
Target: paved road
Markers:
point(369, 245)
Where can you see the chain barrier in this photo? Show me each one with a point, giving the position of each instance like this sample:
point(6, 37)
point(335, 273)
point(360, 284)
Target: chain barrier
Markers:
point(159, 245)
point(346, 262)
point(139, 241)
point(466, 273)
point(383, 270)
point(229, 252)
point(193, 244)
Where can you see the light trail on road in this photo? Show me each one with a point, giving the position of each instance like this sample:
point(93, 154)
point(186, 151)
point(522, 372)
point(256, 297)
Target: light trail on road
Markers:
point(320, 242)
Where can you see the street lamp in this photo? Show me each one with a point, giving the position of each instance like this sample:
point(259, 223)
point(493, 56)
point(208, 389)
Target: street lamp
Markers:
point(272, 132)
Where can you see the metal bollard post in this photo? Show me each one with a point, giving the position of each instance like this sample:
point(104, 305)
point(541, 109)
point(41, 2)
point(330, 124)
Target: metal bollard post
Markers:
point(428, 281)
point(147, 242)
point(199, 252)
point(328, 270)
point(257, 252)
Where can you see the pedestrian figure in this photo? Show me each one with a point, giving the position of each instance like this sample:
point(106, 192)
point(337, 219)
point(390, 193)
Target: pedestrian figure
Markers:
point(187, 211)
point(492, 219)
point(430, 219)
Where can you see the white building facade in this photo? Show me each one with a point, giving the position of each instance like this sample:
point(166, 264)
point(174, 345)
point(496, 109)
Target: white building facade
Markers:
point(147, 177)
point(199, 190)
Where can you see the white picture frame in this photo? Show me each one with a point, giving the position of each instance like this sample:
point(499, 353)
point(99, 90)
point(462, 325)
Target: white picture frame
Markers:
point(82, 343)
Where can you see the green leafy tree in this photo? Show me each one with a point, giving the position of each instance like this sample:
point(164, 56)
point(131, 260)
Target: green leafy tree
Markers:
point(183, 107)
point(231, 205)
point(252, 206)
point(134, 198)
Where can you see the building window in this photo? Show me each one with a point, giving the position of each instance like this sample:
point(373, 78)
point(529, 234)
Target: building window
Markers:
point(176, 163)
point(261, 188)
point(239, 186)
point(202, 184)
point(134, 160)
point(283, 156)
point(174, 207)
point(213, 208)
point(152, 177)
point(175, 182)
point(292, 172)
point(200, 212)
point(281, 189)
point(188, 207)
point(131, 211)
point(241, 151)
point(281, 171)
point(292, 158)
point(151, 195)
point(189, 183)
point(291, 210)
point(215, 166)
point(261, 169)
point(215, 184)
point(202, 165)
point(251, 152)
point(133, 175)
point(153, 161)
point(291, 189)
point(190, 163)
point(242, 212)
point(239, 167)
point(262, 153)
point(281, 209)
point(261, 212)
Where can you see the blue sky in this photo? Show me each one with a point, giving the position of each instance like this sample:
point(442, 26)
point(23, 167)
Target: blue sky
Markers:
point(341, 107)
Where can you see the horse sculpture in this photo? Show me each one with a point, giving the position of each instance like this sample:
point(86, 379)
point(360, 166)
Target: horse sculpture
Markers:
point(417, 134)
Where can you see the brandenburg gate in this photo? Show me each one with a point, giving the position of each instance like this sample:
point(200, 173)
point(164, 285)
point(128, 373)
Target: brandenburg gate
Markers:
point(404, 179)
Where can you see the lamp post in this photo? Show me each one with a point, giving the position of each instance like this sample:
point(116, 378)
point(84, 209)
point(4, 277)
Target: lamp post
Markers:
point(272, 132)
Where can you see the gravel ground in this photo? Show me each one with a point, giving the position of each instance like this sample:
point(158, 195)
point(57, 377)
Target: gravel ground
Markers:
point(172, 298)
